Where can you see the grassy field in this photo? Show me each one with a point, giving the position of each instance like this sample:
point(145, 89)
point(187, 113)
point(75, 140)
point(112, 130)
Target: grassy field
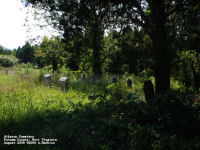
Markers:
point(92, 115)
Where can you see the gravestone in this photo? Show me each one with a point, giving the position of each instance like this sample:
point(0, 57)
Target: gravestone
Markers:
point(83, 76)
point(114, 80)
point(148, 90)
point(63, 81)
point(129, 83)
point(47, 80)
point(93, 78)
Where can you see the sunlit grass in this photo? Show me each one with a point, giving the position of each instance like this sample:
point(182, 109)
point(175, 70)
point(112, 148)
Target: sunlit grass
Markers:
point(21, 92)
point(21, 96)
point(81, 115)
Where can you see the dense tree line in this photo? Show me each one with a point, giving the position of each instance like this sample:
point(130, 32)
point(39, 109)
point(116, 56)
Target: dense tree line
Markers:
point(4, 51)
point(25, 53)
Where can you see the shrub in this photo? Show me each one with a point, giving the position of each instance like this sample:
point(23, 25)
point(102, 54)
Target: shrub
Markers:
point(8, 60)
point(115, 91)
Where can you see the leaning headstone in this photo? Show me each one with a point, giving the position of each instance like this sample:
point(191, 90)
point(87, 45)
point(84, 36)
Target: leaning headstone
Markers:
point(148, 90)
point(83, 76)
point(93, 78)
point(129, 83)
point(63, 81)
point(47, 80)
point(114, 80)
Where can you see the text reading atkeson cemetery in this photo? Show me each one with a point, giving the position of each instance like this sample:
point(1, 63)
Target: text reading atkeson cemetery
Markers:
point(27, 139)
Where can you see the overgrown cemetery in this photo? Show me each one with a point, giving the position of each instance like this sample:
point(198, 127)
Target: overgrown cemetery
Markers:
point(122, 75)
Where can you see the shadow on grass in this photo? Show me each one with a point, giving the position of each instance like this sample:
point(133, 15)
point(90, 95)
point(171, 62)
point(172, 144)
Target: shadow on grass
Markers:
point(111, 125)
point(86, 86)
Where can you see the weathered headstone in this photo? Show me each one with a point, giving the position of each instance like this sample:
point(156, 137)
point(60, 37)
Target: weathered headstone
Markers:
point(148, 90)
point(129, 83)
point(93, 78)
point(114, 80)
point(83, 76)
point(47, 80)
point(63, 81)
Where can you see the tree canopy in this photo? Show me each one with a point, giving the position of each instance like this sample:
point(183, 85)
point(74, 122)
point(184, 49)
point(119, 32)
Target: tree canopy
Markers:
point(51, 52)
point(164, 25)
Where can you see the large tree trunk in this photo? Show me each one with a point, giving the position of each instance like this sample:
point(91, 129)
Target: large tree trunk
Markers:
point(97, 38)
point(162, 78)
point(76, 52)
point(55, 65)
point(97, 62)
point(161, 53)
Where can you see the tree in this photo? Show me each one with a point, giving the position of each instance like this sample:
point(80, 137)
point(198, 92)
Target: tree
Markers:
point(120, 45)
point(76, 18)
point(26, 53)
point(5, 51)
point(188, 35)
point(155, 17)
point(51, 52)
point(75, 48)
point(188, 23)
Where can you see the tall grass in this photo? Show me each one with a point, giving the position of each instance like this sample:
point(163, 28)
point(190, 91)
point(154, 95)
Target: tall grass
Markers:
point(91, 115)
point(21, 98)
point(25, 102)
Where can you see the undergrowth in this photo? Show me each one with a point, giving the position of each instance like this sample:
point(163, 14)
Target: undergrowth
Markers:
point(94, 116)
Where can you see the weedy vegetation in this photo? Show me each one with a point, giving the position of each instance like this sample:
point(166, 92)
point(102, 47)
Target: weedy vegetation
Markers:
point(92, 115)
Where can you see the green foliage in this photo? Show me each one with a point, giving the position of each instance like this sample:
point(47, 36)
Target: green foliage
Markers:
point(114, 119)
point(51, 52)
point(149, 39)
point(8, 61)
point(86, 60)
point(76, 49)
point(119, 46)
point(26, 54)
point(4, 51)
point(89, 23)
point(111, 54)
point(186, 68)
point(115, 91)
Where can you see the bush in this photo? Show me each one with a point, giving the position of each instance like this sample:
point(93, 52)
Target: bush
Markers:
point(8, 61)
point(115, 91)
